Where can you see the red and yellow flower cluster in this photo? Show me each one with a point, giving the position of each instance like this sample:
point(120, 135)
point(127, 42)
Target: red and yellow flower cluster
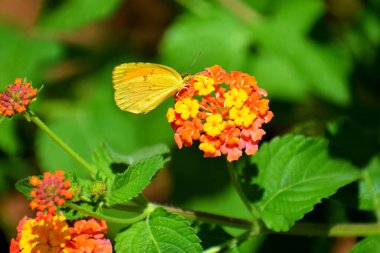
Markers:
point(49, 231)
point(50, 192)
point(224, 111)
point(16, 98)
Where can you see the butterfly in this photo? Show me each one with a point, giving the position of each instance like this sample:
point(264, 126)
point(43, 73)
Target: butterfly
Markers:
point(141, 87)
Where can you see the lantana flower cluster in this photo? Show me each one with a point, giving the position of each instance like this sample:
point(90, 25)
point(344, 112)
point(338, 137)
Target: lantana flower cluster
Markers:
point(50, 191)
point(16, 98)
point(223, 111)
point(50, 231)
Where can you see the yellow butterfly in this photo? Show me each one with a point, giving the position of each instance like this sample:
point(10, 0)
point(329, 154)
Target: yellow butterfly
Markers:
point(141, 87)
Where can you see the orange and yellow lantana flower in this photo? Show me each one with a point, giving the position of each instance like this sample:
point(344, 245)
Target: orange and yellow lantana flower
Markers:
point(223, 111)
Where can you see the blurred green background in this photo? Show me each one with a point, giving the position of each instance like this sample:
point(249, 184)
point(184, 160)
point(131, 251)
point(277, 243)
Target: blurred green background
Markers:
point(318, 60)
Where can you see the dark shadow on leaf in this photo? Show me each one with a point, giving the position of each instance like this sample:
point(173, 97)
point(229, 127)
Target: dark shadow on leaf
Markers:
point(195, 175)
point(211, 235)
point(253, 191)
point(119, 167)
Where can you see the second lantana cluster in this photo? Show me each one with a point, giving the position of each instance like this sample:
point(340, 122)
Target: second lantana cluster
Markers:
point(50, 231)
point(223, 111)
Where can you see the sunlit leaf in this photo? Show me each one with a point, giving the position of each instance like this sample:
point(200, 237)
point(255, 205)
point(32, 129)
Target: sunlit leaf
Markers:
point(296, 173)
point(370, 244)
point(369, 187)
point(129, 184)
point(160, 232)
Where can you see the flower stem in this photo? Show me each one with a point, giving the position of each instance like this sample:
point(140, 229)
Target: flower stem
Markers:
point(300, 229)
point(149, 209)
point(209, 217)
point(331, 230)
point(30, 115)
point(235, 182)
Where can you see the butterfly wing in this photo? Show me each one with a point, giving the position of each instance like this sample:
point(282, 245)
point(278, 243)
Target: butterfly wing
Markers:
point(141, 87)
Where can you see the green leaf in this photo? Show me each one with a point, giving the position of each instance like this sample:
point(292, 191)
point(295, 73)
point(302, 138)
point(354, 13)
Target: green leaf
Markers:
point(72, 14)
point(160, 232)
point(370, 244)
point(102, 158)
point(142, 154)
point(131, 183)
point(369, 187)
point(191, 35)
point(24, 187)
point(295, 173)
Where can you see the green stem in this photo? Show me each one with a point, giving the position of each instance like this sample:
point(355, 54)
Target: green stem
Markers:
point(306, 229)
point(209, 217)
point(61, 143)
point(371, 188)
point(331, 230)
point(149, 209)
point(235, 182)
point(300, 229)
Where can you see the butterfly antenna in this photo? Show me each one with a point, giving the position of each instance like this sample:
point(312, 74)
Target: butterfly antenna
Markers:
point(194, 61)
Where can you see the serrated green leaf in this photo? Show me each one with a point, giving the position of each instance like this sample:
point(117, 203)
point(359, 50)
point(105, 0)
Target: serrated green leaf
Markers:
point(369, 187)
point(142, 154)
point(102, 157)
point(370, 244)
point(296, 173)
point(24, 187)
point(131, 183)
point(160, 232)
point(72, 14)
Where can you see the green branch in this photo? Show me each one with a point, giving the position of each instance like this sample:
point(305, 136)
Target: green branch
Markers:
point(130, 221)
point(30, 115)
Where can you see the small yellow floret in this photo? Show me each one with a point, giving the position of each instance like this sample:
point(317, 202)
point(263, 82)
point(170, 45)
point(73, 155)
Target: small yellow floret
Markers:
point(170, 115)
point(187, 107)
point(236, 97)
point(207, 147)
point(204, 84)
point(242, 117)
point(214, 125)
